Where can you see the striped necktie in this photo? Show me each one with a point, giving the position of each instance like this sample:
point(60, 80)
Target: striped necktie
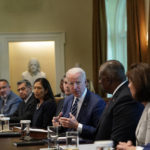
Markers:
point(74, 107)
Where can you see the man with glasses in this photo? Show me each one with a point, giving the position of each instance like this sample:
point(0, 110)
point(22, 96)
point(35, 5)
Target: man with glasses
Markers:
point(9, 101)
point(27, 107)
point(81, 110)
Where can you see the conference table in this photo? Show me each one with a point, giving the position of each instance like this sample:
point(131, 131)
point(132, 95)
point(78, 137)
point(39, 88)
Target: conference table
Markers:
point(6, 143)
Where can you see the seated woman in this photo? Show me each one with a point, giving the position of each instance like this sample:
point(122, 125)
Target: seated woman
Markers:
point(139, 84)
point(46, 107)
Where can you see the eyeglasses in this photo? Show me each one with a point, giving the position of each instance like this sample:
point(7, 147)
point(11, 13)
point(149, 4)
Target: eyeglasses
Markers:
point(73, 83)
point(21, 89)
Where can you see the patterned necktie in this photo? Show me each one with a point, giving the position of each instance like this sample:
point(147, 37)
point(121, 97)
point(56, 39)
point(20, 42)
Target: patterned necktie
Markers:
point(74, 107)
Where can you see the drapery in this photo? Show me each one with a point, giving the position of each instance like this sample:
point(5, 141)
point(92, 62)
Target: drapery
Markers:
point(148, 51)
point(136, 32)
point(99, 39)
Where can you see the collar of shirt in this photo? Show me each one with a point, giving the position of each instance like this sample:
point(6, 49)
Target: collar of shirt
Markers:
point(26, 100)
point(119, 87)
point(80, 101)
point(4, 99)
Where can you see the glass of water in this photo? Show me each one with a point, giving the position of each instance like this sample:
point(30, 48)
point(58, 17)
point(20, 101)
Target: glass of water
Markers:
point(52, 136)
point(72, 140)
point(5, 123)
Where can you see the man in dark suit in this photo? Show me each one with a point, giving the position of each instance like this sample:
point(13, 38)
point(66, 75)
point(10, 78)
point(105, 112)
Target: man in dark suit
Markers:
point(82, 110)
point(120, 117)
point(26, 108)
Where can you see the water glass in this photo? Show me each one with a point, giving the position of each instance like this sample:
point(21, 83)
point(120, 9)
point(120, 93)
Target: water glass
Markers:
point(5, 123)
point(104, 145)
point(25, 130)
point(1, 116)
point(72, 140)
point(52, 136)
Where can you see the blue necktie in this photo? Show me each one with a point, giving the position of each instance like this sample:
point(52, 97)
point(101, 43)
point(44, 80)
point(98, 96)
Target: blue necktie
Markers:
point(74, 107)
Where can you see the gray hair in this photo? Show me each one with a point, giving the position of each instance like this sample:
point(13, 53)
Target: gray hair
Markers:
point(28, 84)
point(76, 70)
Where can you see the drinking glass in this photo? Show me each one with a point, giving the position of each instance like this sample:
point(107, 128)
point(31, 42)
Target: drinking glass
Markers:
point(52, 136)
point(25, 130)
point(5, 123)
point(1, 116)
point(104, 145)
point(72, 140)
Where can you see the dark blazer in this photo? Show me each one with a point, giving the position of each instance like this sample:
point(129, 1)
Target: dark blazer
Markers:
point(59, 107)
point(89, 114)
point(11, 105)
point(25, 110)
point(43, 115)
point(120, 117)
point(147, 147)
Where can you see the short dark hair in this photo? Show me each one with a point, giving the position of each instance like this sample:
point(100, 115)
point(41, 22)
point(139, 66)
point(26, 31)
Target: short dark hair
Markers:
point(28, 84)
point(46, 85)
point(4, 80)
point(139, 74)
point(114, 70)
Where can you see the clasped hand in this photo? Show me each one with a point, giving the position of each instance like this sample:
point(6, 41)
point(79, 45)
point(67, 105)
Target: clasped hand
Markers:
point(70, 122)
point(125, 146)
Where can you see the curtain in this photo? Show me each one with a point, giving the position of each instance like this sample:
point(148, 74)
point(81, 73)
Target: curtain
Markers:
point(148, 51)
point(136, 32)
point(99, 40)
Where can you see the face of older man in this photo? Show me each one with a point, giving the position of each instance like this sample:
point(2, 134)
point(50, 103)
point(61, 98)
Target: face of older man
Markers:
point(4, 89)
point(24, 91)
point(77, 84)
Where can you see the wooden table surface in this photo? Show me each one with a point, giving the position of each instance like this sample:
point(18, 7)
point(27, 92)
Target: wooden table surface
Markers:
point(7, 144)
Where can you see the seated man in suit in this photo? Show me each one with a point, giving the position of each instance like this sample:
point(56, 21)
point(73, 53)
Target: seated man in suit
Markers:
point(119, 119)
point(82, 110)
point(9, 101)
point(62, 93)
point(67, 92)
point(27, 106)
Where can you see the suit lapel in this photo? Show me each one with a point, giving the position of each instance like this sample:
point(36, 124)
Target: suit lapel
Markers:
point(83, 108)
point(68, 108)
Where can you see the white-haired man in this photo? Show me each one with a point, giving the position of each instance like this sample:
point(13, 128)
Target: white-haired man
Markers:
point(82, 110)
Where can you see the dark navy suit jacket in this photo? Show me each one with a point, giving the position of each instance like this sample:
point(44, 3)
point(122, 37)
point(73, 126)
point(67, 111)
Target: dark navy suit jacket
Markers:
point(147, 147)
point(25, 110)
point(89, 114)
point(120, 117)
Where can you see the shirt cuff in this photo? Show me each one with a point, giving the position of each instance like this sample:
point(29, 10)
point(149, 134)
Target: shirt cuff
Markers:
point(139, 148)
point(80, 126)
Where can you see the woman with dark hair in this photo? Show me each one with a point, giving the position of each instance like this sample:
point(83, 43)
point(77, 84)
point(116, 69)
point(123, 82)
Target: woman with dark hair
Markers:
point(139, 84)
point(46, 105)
